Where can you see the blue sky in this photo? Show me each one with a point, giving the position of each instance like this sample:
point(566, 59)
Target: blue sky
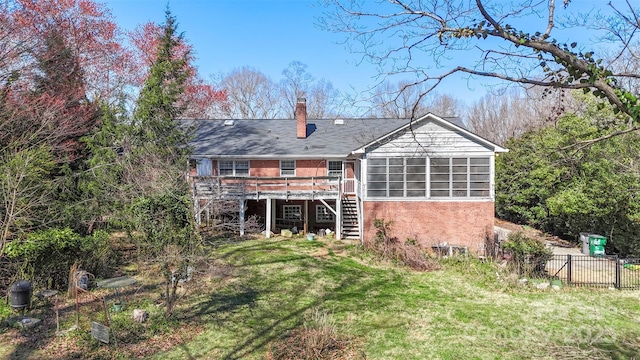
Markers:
point(268, 35)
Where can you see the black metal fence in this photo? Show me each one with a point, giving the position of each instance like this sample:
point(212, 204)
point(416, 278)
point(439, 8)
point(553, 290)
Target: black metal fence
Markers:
point(606, 271)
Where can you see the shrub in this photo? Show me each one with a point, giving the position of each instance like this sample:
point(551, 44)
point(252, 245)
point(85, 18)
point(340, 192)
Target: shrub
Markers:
point(404, 252)
point(318, 339)
point(528, 255)
point(45, 257)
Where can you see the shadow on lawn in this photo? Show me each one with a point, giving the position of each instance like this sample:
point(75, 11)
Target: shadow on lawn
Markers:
point(225, 303)
point(627, 347)
point(351, 288)
point(271, 322)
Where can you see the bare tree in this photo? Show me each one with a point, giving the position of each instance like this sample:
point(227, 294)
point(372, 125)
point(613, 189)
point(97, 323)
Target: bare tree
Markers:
point(444, 105)
point(627, 63)
point(250, 95)
point(500, 117)
point(295, 84)
point(323, 101)
point(322, 98)
point(398, 100)
point(406, 100)
point(400, 35)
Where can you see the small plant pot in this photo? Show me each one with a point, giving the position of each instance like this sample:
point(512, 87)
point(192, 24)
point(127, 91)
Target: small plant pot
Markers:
point(557, 283)
point(117, 307)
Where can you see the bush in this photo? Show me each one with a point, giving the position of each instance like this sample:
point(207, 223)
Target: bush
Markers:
point(528, 255)
point(407, 253)
point(45, 257)
point(318, 339)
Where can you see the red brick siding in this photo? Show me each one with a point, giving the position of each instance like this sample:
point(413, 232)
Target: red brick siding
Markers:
point(311, 168)
point(264, 168)
point(430, 222)
point(259, 208)
point(304, 168)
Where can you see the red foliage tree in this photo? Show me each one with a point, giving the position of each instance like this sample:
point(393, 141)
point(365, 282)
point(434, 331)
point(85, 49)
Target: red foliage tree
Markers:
point(62, 57)
point(89, 32)
point(200, 97)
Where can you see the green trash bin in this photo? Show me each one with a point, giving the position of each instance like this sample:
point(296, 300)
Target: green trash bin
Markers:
point(597, 244)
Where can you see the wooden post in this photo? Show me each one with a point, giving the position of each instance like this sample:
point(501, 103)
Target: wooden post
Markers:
point(268, 219)
point(75, 288)
point(275, 213)
point(241, 215)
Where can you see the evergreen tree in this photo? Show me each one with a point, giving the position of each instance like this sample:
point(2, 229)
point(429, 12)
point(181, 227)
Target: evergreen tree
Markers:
point(161, 209)
point(161, 101)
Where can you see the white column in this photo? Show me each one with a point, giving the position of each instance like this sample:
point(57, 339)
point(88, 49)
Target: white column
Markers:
point(268, 219)
point(339, 214)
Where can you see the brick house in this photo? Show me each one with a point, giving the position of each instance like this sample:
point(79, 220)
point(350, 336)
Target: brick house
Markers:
point(430, 176)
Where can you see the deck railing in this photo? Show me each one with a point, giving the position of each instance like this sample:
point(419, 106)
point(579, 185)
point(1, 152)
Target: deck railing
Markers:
point(235, 186)
point(349, 186)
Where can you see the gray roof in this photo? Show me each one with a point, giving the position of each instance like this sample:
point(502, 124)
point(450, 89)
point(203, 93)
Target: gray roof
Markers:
point(270, 138)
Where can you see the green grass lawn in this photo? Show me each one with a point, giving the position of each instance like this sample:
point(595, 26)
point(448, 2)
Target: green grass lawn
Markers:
point(251, 299)
point(466, 310)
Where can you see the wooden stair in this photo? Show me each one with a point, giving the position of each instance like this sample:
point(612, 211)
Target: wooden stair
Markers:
point(350, 224)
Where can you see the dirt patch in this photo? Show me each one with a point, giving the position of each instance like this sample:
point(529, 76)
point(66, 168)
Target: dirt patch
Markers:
point(535, 234)
point(135, 340)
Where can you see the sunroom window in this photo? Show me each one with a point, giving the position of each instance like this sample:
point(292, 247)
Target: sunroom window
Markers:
point(456, 177)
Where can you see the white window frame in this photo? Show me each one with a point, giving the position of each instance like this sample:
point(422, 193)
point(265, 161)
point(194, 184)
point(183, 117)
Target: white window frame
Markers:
point(237, 167)
point(288, 170)
point(289, 210)
point(324, 215)
point(443, 178)
point(455, 177)
point(334, 172)
point(479, 181)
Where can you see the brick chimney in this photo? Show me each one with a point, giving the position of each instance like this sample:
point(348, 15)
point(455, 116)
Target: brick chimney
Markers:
point(301, 118)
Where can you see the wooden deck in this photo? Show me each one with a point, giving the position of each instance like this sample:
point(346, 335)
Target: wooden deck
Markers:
point(256, 188)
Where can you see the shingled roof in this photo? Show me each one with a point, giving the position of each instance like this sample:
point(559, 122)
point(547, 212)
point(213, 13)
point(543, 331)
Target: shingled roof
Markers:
point(271, 138)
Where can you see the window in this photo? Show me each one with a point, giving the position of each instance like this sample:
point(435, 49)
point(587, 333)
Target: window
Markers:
point(416, 177)
point(323, 214)
point(377, 177)
point(460, 177)
point(334, 168)
point(287, 167)
point(396, 177)
point(233, 167)
point(446, 177)
point(479, 177)
point(439, 183)
point(386, 177)
point(292, 212)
